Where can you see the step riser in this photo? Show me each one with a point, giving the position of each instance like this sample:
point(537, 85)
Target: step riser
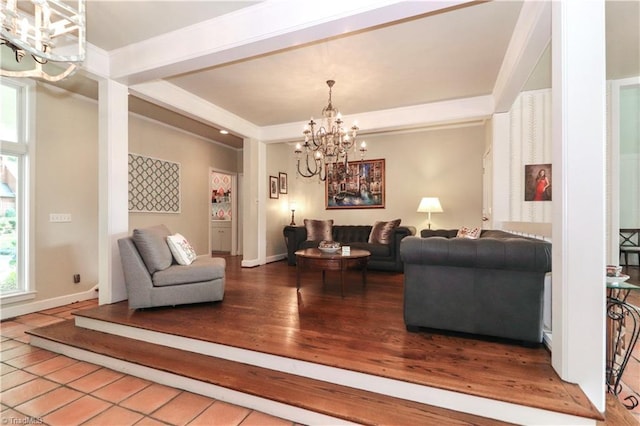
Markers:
point(478, 406)
point(191, 385)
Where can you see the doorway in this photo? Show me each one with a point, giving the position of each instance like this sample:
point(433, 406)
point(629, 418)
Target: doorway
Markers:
point(223, 211)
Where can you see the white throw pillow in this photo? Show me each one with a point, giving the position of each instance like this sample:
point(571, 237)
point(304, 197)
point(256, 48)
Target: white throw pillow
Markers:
point(181, 249)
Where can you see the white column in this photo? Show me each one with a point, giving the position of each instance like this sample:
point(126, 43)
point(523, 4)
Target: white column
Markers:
point(254, 197)
point(501, 187)
point(113, 187)
point(578, 112)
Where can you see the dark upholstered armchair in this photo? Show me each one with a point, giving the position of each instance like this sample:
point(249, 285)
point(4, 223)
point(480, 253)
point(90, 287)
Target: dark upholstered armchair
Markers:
point(490, 286)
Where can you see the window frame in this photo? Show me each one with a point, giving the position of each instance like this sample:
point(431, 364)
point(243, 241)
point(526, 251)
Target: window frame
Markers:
point(24, 149)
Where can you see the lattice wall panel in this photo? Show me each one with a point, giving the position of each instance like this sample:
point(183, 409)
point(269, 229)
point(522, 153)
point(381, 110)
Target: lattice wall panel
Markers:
point(154, 185)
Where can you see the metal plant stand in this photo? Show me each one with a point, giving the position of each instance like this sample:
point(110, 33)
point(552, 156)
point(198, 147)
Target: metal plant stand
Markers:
point(623, 330)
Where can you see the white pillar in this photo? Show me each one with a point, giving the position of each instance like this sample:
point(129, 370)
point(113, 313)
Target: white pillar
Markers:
point(254, 197)
point(579, 95)
point(501, 187)
point(113, 187)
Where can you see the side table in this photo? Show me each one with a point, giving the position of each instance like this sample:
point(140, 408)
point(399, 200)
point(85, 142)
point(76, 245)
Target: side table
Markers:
point(623, 330)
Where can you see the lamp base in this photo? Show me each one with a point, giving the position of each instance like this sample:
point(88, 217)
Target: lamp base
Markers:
point(293, 222)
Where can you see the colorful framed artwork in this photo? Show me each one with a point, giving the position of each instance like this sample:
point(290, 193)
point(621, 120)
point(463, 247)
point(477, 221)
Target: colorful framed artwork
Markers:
point(273, 187)
point(537, 182)
point(283, 183)
point(362, 187)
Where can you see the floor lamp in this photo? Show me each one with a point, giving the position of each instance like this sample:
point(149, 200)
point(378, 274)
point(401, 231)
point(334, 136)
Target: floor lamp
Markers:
point(430, 205)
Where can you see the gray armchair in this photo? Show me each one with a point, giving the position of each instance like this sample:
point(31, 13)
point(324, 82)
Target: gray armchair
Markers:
point(153, 278)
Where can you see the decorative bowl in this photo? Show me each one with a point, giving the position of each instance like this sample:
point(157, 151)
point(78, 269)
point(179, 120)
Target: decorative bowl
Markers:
point(329, 249)
point(619, 279)
point(329, 246)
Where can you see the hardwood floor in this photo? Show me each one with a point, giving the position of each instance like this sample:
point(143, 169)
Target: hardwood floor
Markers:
point(363, 332)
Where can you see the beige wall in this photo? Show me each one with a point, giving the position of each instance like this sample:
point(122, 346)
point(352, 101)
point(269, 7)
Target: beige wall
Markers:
point(279, 159)
point(196, 156)
point(66, 182)
point(445, 163)
point(66, 165)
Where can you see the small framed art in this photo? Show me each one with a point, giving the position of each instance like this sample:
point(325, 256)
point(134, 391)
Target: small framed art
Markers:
point(273, 187)
point(284, 183)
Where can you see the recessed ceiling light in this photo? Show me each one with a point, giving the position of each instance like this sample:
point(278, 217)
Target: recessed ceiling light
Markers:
point(224, 132)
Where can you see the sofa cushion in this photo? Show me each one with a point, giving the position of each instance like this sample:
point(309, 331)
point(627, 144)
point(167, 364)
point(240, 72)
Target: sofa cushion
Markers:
point(382, 232)
point(376, 250)
point(203, 268)
point(319, 230)
point(182, 251)
point(152, 244)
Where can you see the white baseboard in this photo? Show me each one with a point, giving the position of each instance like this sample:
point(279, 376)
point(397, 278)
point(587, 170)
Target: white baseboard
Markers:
point(256, 262)
point(41, 305)
point(276, 258)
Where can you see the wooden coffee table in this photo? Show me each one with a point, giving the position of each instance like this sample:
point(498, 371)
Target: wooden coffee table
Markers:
point(314, 259)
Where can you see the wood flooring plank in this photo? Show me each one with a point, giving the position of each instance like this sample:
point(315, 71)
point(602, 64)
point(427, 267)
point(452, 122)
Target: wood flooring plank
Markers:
point(334, 400)
point(364, 332)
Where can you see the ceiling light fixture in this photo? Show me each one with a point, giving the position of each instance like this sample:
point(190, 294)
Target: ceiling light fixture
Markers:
point(55, 33)
point(325, 151)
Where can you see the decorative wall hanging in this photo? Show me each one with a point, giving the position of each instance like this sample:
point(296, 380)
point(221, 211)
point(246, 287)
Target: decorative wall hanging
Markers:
point(537, 182)
point(284, 184)
point(154, 185)
point(273, 187)
point(361, 187)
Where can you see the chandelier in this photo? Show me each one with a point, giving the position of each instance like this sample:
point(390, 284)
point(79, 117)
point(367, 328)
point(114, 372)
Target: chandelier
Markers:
point(327, 146)
point(54, 32)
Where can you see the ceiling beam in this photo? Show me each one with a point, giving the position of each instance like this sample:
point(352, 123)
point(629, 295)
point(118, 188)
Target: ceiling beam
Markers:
point(176, 99)
point(258, 30)
point(531, 36)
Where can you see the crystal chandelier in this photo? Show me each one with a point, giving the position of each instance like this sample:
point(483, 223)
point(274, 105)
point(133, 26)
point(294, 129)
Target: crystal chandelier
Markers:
point(54, 32)
point(326, 149)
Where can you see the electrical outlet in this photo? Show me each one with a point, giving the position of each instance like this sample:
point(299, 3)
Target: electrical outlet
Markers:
point(60, 217)
point(76, 278)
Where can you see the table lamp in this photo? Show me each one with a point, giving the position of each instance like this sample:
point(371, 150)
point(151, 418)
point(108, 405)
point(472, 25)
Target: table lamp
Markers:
point(430, 205)
point(292, 207)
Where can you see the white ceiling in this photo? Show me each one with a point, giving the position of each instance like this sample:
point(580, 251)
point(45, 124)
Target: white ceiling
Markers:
point(444, 56)
point(403, 59)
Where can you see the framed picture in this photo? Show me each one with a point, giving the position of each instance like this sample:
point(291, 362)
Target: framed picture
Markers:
point(284, 183)
point(154, 185)
point(361, 188)
point(273, 187)
point(537, 182)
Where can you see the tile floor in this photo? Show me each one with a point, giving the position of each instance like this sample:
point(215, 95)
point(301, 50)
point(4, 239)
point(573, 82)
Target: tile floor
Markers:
point(42, 387)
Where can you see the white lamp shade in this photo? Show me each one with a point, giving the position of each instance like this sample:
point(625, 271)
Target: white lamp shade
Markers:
point(430, 205)
point(292, 206)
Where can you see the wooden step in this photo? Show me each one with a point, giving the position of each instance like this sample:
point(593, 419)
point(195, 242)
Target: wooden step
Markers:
point(340, 402)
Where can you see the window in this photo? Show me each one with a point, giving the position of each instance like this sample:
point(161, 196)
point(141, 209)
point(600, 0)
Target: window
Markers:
point(14, 157)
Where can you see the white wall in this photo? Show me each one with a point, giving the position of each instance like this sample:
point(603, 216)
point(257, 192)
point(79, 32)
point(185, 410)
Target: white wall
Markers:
point(445, 163)
point(529, 143)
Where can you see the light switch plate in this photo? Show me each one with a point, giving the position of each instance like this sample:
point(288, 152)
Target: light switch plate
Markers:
point(60, 217)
